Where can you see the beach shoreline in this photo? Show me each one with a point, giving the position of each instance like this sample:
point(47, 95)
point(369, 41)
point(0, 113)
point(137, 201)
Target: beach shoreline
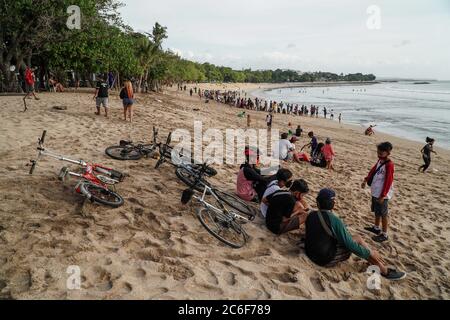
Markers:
point(155, 248)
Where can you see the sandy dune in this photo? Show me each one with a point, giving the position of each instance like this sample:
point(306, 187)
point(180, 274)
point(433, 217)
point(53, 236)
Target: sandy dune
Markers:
point(154, 248)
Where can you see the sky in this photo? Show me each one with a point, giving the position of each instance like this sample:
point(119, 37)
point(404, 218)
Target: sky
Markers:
point(389, 38)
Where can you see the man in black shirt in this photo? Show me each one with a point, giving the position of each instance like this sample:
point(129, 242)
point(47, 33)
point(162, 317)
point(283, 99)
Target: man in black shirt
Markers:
point(287, 210)
point(101, 96)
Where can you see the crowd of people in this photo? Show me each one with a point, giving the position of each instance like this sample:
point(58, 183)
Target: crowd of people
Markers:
point(327, 241)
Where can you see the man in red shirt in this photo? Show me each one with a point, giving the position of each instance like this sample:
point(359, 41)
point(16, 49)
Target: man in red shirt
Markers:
point(29, 85)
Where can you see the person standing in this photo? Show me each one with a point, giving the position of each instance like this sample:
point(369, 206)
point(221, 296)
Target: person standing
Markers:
point(127, 96)
point(381, 180)
point(101, 96)
point(340, 117)
point(30, 79)
point(426, 154)
point(269, 120)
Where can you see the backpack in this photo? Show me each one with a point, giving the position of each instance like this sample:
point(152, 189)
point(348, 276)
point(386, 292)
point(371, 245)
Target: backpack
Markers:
point(369, 181)
point(122, 94)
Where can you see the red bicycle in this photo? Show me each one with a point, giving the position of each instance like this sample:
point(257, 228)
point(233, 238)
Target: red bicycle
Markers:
point(95, 179)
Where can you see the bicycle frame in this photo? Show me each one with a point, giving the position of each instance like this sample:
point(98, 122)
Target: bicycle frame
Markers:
point(230, 214)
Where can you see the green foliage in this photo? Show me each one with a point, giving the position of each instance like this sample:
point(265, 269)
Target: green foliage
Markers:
point(35, 32)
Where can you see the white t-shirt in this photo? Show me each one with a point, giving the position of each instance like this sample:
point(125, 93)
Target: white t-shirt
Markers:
point(378, 183)
point(271, 188)
point(281, 149)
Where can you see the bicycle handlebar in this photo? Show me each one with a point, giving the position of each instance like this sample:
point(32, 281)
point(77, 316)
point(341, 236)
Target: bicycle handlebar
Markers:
point(32, 166)
point(42, 138)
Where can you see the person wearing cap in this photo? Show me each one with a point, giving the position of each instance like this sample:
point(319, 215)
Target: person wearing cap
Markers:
point(287, 210)
point(283, 177)
point(101, 95)
point(328, 153)
point(328, 242)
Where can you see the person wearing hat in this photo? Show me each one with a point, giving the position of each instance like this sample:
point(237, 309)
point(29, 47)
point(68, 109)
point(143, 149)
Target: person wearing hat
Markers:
point(287, 210)
point(328, 153)
point(328, 242)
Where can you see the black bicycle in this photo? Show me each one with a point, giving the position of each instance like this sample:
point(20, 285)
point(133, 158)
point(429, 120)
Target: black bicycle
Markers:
point(179, 160)
point(127, 150)
point(222, 219)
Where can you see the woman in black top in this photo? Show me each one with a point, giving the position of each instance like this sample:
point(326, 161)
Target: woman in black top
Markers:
point(426, 154)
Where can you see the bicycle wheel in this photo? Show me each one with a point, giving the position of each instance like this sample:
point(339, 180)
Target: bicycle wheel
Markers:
point(190, 178)
point(222, 227)
point(101, 195)
point(235, 203)
point(123, 153)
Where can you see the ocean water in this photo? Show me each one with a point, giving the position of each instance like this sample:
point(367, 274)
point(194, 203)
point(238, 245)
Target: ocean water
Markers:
point(403, 109)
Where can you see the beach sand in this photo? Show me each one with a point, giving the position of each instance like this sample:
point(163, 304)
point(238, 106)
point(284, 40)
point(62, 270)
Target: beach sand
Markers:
point(154, 248)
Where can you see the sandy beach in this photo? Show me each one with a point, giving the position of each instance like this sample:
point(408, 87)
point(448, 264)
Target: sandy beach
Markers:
point(155, 248)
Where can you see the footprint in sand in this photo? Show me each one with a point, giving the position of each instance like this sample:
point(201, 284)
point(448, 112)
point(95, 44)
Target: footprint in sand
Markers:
point(157, 292)
point(230, 278)
point(140, 273)
point(317, 284)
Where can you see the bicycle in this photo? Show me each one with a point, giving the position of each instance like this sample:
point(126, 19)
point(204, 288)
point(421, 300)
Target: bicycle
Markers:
point(220, 221)
point(126, 150)
point(95, 179)
point(179, 160)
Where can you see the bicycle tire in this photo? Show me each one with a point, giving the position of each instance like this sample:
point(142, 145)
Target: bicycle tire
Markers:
point(235, 203)
point(184, 175)
point(204, 214)
point(122, 153)
point(95, 193)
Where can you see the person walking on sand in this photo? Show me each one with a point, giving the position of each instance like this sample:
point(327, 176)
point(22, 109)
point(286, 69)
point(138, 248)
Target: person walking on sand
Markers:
point(127, 96)
point(340, 117)
point(381, 180)
point(101, 96)
point(269, 120)
point(30, 79)
point(426, 154)
point(328, 242)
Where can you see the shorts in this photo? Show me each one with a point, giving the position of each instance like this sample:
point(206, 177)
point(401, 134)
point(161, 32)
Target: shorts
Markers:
point(380, 210)
point(101, 101)
point(29, 88)
point(127, 102)
point(292, 224)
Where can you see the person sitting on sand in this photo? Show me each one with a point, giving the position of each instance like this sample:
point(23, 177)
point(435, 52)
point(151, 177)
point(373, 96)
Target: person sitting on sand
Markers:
point(317, 157)
point(369, 131)
point(283, 177)
point(287, 210)
point(127, 96)
point(328, 153)
point(284, 149)
point(328, 242)
point(248, 176)
point(298, 131)
point(426, 154)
